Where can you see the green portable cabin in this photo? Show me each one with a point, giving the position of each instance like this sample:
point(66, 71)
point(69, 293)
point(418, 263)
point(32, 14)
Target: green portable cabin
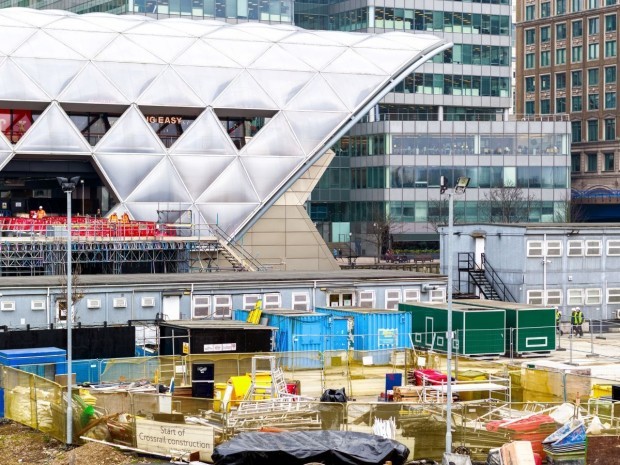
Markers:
point(529, 328)
point(478, 331)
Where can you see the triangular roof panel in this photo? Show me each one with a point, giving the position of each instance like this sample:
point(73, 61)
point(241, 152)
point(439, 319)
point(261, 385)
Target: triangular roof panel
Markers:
point(202, 54)
point(317, 56)
point(131, 134)
point(154, 29)
point(122, 49)
point(245, 92)
point(13, 37)
point(199, 171)
point(233, 185)
point(275, 139)
point(165, 47)
point(268, 33)
point(241, 51)
point(158, 93)
point(319, 96)
point(5, 157)
point(205, 136)
point(142, 75)
point(271, 82)
point(53, 132)
point(267, 173)
point(390, 62)
point(91, 86)
point(312, 127)
point(85, 43)
point(310, 38)
point(34, 17)
point(118, 23)
point(43, 45)
point(278, 58)
point(161, 185)
point(193, 28)
point(227, 215)
point(234, 34)
point(353, 96)
point(52, 75)
point(207, 83)
point(16, 85)
point(76, 23)
point(351, 62)
point(123, 180)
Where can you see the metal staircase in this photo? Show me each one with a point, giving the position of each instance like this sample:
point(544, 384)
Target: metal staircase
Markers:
point(235, 254)
point(483, 277)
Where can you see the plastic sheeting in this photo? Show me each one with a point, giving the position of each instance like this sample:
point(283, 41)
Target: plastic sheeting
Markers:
point(300, 447)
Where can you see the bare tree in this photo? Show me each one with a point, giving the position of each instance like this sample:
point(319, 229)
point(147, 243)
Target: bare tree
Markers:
point(508, 204)
point(571, 212)
point(438, 214)
point(381, 234)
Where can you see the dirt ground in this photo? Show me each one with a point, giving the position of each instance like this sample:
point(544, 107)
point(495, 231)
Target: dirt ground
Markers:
point(21, 445)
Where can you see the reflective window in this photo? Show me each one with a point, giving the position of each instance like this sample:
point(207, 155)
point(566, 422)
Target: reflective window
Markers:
point(593, 77)
point(592, 130)
point(577, 28)
point(560, 31)
point(560, 105)
point(530, 84)
point(593, 26)
point(610, 129)
point(530, 37)
point(576, 104)
point(93, 126)
point(560, 56)
point(592, 102)
point(560, 80)
point(576, 54)
point(545, 34)
point(576, 79)
point(576, 131)
point(15, 123)
point(610, 74)
point(611, 49)
point(610, 23)
point(608, 162)
point(610, 100)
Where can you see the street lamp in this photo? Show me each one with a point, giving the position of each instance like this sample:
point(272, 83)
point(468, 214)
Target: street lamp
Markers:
point(350, 249)
point(82, 183)
point(461, 185)
point(68, 186)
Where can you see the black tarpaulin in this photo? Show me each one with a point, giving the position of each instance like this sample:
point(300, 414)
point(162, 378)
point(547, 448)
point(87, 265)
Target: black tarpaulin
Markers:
point(300, 447)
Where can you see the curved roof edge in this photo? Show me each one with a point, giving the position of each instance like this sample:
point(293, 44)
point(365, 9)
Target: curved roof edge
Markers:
point(428, 53)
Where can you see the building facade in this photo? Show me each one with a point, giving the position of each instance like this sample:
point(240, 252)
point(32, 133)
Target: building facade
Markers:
point(567, 62)
point(563, 265)
point(450, 118)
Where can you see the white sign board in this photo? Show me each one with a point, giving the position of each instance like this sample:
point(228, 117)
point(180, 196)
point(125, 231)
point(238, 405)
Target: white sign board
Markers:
point(220, 347)
point(174, 439)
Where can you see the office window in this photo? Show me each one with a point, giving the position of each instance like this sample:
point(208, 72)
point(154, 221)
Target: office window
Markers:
point(592, 102)
point(576, 79)
point(576, 54)
point(545, 106)
point(560, 56)
point(593, 130)
point(591, 162)
point(574, 297)
point(202, 306)
point(560, 81)
point(529, 61)
point(610, 23)
point(610, 101)
point(576, 131)
point(392, 298)
point(535, 297)
point(592, 4)
point(222, 306)
point(594, 296)
point(575, 248)
point(545, 58)
point(576, 5)
point(301, 301)
point(560, 7)
point(575, 163)
point(592, 26)
point(534, 248)
point(593, 52)
point(554, 248)
point(545, 10)
point(560, 31)
point(610, 129)
point(593, 248)
point(530, 12)
point(577, 28)
point(545, 34)
point(611, 49)
point(613, 247)
point(613, 295)
point(545, 82)
point(593, 77)
point(560, 105)
point(530, 84)
point(610, 2)
point(530, 37)
point(608, 162)
point(530, 107)
point(610, 74)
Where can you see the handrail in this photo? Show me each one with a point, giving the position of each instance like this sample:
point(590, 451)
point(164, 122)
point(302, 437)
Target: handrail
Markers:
point(496, 281)
point(223, 237)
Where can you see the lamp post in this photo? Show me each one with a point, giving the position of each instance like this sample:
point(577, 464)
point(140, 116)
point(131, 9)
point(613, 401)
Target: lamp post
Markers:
point(68, 186)
point(350, 249)
point(461, 185)
point(82, 183)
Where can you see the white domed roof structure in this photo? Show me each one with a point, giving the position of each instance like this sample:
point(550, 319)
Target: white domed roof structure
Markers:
point(307, 88)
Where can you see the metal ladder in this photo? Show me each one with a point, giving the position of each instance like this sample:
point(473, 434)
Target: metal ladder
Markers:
point(277, 387)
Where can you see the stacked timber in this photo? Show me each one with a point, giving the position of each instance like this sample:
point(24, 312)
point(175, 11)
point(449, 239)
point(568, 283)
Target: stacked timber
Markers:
point(408, 393)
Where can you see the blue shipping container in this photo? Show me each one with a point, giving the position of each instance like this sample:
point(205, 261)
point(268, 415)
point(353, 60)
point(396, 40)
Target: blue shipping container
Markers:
point(373, 332)
point(301, 332)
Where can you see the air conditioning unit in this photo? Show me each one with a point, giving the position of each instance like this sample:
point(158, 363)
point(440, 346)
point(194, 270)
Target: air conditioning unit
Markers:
point(148, 301)
point(119, 302)
point(93, 303)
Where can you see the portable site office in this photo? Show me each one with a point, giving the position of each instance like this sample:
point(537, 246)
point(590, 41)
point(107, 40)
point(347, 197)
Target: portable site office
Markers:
point(304, 334)
point(478, 331)
point(529, 329)
point(369, 332)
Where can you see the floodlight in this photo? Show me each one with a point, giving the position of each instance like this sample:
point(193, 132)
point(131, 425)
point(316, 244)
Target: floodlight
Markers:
point(461, 184)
